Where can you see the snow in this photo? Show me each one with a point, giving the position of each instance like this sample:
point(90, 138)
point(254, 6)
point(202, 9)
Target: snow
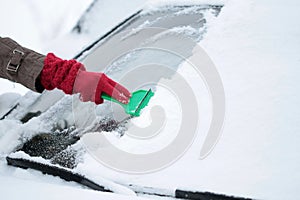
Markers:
point(44, 190)
point(116, 188)
point(255, 45)
point(8, 101)
point(153, 5)
point(255, 52)
point(93, 25)
point(44, 22)
point(36, 24)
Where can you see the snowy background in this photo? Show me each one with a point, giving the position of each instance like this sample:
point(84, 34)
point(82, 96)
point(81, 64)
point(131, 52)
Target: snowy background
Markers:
point(255, 45)
point(36, 24)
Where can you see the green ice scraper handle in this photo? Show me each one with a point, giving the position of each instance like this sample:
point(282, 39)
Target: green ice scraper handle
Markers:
point(137, 102)
point(109, 98)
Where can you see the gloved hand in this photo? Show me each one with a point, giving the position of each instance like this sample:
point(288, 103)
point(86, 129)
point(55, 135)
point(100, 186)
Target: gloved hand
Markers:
point(71, 77)
point(91, 85)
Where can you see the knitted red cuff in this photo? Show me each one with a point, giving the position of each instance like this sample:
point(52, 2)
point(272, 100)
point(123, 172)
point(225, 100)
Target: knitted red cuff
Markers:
point(58, 73)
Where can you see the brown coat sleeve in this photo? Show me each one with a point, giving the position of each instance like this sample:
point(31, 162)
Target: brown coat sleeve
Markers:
point(20, 64)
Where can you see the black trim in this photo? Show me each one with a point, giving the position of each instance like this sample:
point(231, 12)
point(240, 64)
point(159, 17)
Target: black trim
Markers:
point(107, 34)
point(184, 194)
point(56, 171)
point(8, 112)
point(72, 176)
point(29, 116)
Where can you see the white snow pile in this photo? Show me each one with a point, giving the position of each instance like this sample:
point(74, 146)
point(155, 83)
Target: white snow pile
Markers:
point(255, 47)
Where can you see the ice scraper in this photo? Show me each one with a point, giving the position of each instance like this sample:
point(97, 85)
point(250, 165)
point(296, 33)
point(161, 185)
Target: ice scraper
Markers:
point(137, 101)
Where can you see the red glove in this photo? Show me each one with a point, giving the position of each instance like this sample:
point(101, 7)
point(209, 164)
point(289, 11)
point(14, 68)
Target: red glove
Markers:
point(71, 77)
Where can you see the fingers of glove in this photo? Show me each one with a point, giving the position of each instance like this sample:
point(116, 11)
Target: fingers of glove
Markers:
point(119, 87)
point(98, 99)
